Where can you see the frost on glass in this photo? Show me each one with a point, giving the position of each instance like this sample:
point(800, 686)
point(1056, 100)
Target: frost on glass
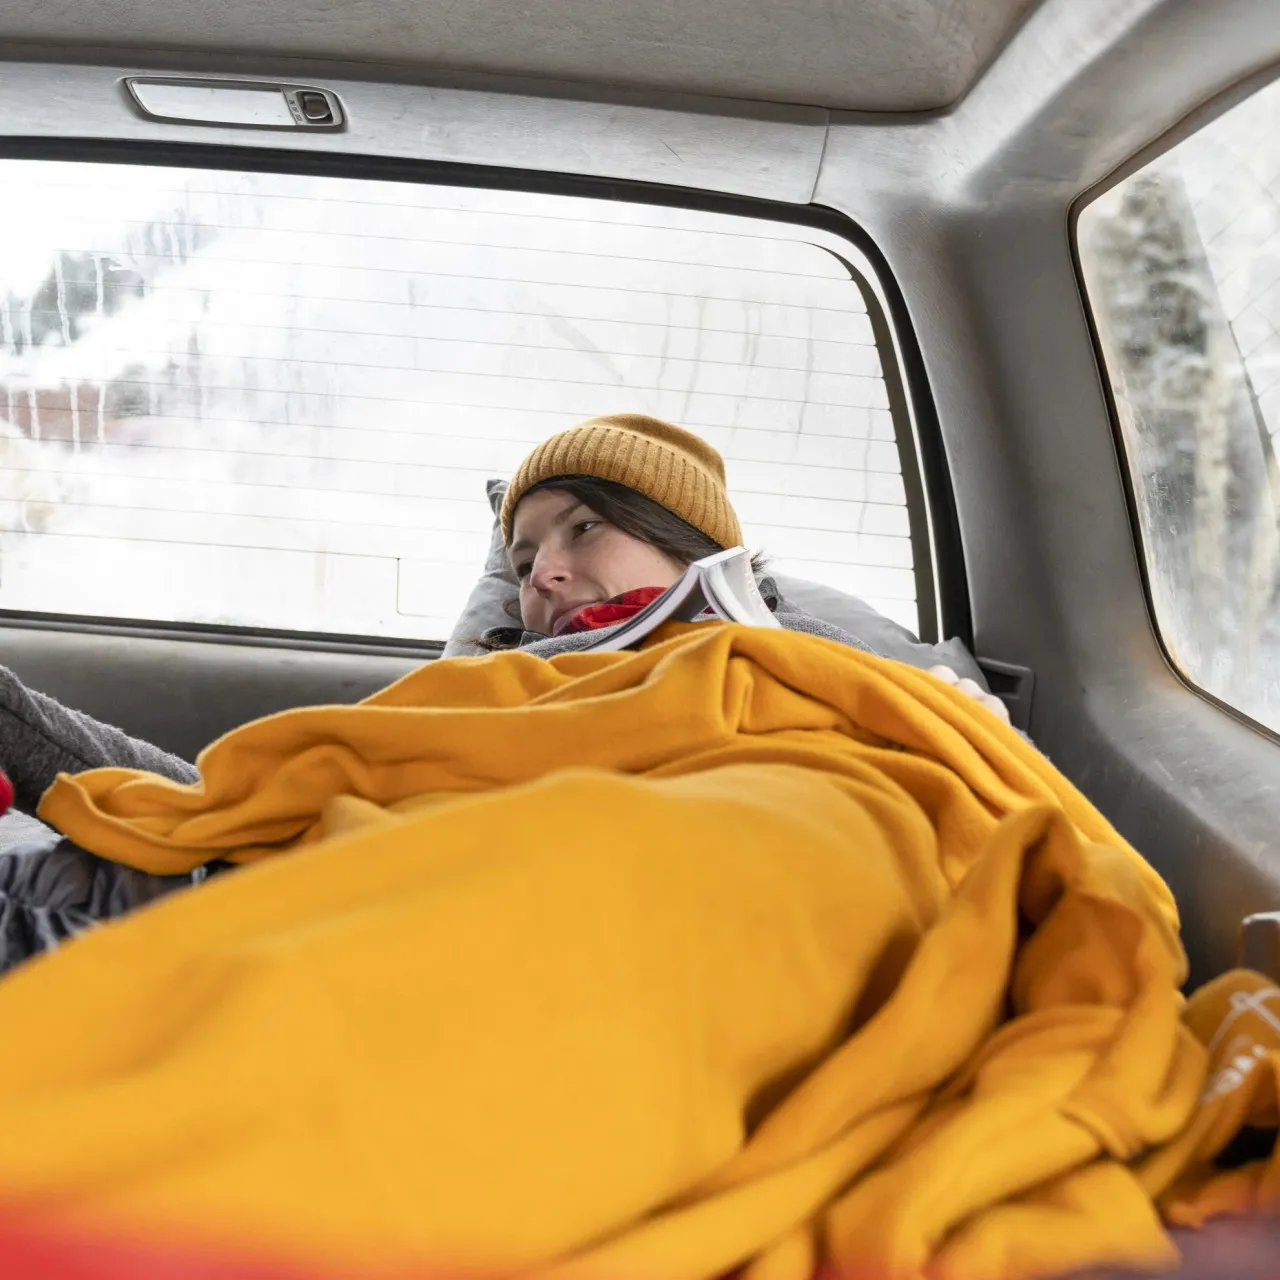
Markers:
point(1182, 268)
point(261, 400)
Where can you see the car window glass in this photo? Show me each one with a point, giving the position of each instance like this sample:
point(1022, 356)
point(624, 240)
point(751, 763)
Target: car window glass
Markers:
point(1181, 263)
point(272, 401)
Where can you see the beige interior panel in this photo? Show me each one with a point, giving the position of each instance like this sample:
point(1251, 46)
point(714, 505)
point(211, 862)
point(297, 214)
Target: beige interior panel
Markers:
point(862, 55)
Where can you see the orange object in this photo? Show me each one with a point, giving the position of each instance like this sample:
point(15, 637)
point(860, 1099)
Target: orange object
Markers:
point(856, 981)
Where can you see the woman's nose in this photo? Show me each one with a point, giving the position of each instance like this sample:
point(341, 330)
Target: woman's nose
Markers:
point(548, 572)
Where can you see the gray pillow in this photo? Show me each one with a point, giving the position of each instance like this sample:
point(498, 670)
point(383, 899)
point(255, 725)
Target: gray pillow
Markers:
point(888, 638)
point(491, 604)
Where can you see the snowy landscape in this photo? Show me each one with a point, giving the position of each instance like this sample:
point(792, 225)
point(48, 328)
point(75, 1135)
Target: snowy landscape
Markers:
point(273, 401)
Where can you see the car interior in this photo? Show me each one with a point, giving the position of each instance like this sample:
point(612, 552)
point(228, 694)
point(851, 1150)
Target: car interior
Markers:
point(979, 298)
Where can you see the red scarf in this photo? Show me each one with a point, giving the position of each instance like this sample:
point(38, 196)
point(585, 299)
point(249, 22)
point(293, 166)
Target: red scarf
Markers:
point(591, 617)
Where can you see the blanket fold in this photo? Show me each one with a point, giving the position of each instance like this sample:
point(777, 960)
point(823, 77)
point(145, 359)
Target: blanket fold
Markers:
point(745, 950)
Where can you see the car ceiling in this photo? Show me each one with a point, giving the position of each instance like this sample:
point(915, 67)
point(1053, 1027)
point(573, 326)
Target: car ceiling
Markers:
point(863, 55)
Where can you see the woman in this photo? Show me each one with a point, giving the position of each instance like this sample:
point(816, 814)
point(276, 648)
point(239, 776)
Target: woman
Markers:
point(597, 521)
point(601, 518)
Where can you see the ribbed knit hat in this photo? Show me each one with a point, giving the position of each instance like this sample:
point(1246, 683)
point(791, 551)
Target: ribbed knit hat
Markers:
point(678, 470)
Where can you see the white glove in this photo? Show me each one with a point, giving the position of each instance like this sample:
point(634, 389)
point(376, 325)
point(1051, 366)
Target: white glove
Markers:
point(973, 690)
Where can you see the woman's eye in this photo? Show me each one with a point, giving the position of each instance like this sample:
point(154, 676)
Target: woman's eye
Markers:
point(585, 526)
point(523, 570)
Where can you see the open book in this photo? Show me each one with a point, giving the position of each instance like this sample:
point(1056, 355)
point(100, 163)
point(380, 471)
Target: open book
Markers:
point(723, 583)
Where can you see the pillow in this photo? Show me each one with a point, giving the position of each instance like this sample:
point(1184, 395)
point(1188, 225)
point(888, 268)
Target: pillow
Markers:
point(488, 604)
point(491, 600)
point(885, 636)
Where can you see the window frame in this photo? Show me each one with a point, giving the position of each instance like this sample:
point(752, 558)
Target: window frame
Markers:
point(1188, 126)
point(942, 595)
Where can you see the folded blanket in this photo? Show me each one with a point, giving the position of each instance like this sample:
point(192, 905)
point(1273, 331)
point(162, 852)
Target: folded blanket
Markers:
point(744, 950)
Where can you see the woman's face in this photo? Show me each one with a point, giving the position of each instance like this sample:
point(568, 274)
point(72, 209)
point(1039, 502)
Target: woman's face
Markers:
point(566, 557)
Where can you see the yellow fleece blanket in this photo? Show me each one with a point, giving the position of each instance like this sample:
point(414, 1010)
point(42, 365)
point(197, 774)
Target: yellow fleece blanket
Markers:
point(747, 949)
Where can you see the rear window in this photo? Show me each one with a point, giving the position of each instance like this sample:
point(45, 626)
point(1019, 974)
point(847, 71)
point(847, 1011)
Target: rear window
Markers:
point(1181, 262)
point(272, 401)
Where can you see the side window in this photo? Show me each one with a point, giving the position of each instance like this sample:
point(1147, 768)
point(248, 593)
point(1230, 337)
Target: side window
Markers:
point(272, 401)
point(1181, 264)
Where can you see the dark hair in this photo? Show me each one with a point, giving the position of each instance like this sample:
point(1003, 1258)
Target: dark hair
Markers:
point(634, 514)
point(637, 515)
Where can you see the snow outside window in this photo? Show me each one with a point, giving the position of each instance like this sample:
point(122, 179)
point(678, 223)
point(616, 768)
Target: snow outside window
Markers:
point(1181, 263)
point(271, 401)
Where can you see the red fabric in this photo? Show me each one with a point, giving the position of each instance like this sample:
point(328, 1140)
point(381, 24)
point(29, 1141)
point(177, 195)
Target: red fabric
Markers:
point(6, 794)
point(30, 1253)
point(592, 617)
point(1244, 1249)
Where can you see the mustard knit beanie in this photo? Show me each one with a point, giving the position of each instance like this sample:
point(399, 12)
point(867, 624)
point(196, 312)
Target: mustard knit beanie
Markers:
point(674, 467)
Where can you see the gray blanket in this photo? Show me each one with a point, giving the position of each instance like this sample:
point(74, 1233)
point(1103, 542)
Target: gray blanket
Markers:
point(40, 738)
point(49, 888)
